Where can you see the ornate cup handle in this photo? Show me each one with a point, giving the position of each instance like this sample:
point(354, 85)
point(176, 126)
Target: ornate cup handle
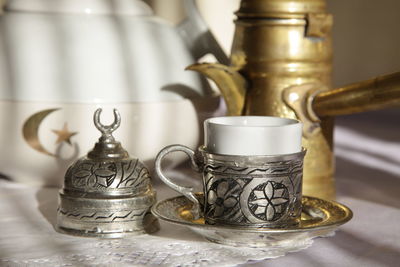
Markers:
point(186, 191)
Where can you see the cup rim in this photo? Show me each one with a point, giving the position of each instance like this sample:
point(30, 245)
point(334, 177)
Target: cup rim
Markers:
point(252, 159)
point(219, 122)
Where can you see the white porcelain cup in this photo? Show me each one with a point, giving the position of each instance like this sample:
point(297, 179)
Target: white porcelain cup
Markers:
point(252, 135)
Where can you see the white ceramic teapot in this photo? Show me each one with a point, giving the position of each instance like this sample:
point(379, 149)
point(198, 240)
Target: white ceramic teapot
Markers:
point(62, 59)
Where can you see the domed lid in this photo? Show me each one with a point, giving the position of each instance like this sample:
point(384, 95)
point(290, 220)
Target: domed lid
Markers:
point(280, 8)
point(107, 170)
point(99, 7)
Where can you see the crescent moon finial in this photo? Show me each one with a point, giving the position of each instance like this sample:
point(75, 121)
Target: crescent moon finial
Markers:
point(107, 130)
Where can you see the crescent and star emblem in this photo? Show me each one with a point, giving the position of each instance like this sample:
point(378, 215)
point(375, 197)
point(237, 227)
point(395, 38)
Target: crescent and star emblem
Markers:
point(30, 131)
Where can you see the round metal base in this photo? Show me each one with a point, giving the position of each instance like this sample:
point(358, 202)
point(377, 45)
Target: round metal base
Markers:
point(111, 217)
point(151, 227)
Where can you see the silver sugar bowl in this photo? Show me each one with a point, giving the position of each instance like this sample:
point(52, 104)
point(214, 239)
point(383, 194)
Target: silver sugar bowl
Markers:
point(106, 194)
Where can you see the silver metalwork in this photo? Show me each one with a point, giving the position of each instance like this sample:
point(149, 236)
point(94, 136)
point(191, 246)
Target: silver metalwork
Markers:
point(106, 193)
point(252, 191)
point(319, 218)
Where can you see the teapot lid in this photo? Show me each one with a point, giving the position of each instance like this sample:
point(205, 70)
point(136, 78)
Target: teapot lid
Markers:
point(280, 8)
point(88, 7)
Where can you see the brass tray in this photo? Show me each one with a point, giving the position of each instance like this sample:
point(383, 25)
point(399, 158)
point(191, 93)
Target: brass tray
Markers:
point(319, 218)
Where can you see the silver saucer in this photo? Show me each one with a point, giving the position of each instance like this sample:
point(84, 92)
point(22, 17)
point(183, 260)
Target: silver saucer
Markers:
point(319, 218)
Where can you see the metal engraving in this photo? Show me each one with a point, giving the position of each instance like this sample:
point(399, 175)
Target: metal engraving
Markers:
point(251, 191)
point(223, 200)
point(106, 193)
point(104, 176)
point(269, 201)
point(248, 190)
point(129, 215)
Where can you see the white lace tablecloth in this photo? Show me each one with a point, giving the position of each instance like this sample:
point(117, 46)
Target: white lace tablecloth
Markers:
point(368, 181)
point(27, 238)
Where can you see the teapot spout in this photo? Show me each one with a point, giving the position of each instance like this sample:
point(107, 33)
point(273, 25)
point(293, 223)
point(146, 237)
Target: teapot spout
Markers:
point(230, 82)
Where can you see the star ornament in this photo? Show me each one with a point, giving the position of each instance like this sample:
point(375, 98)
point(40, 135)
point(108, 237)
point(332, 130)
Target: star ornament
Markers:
point(269, 201)
point(64, 135)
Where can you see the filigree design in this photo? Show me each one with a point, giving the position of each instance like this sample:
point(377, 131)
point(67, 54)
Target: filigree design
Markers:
point(267, 192)
point(106, 175)
point(269, 201)
point(105, 216)
point(133, 174)
point(271, 168)
point(100, 174)
point(223, 198)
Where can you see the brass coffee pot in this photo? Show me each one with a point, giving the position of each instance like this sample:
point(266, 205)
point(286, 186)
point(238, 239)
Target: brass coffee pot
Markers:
point(281, 64)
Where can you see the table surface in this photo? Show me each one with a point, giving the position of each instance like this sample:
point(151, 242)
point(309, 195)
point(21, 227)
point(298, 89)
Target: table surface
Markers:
point(367, 149)
point(367, 152)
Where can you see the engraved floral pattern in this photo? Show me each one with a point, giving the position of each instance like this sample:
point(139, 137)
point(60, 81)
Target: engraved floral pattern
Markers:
point(95, 175)
point(268, 201)
point(103, 176)
point(223, 198)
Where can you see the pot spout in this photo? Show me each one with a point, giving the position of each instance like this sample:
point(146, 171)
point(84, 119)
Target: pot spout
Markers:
point(377, 93)
point(230, 82)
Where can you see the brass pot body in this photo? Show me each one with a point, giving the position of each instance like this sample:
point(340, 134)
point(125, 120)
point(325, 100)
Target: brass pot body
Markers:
point(274, 54)
point(281, 65)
